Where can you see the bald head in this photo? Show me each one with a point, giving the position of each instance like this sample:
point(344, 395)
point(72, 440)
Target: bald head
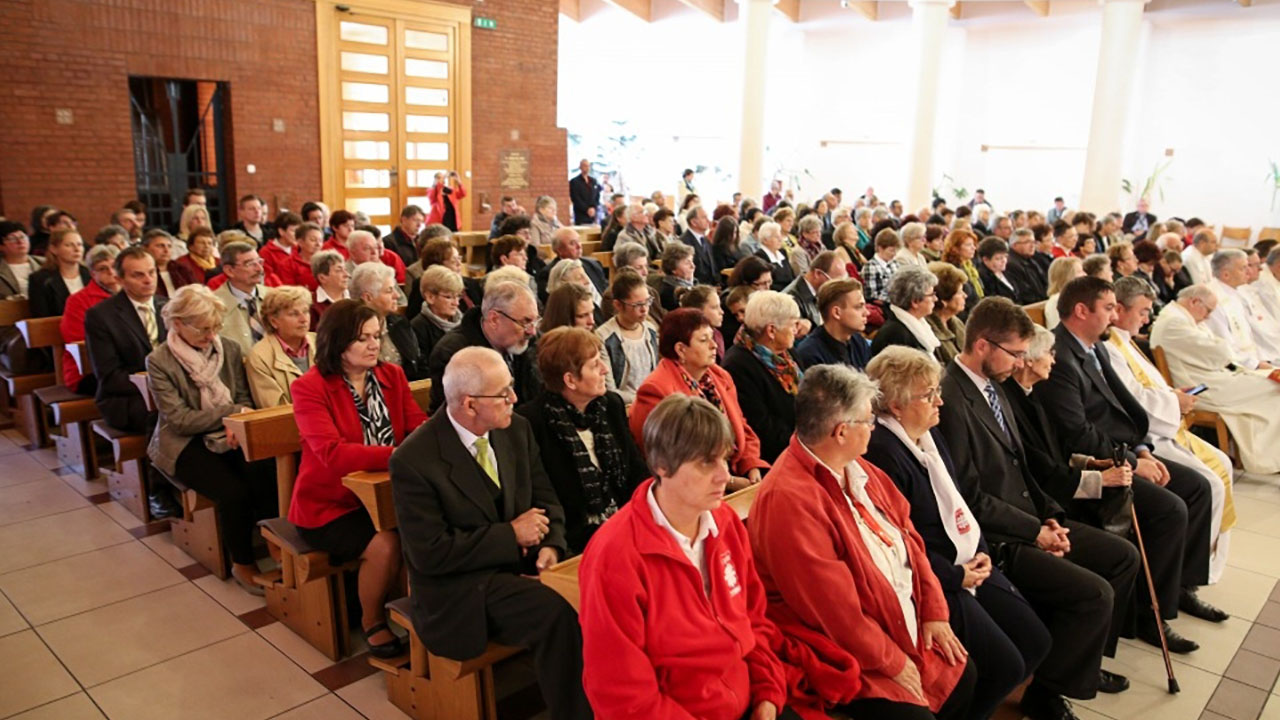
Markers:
point(565, 243)
point(478, 389)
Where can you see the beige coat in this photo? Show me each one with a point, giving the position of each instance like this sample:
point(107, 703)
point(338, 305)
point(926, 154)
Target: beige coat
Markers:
point(235, 322)
point(271, 372)
point(181, 419)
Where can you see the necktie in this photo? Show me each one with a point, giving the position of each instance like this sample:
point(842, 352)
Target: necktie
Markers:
point(255, 324)
point(994, 401)
point(149, 323)
point(1097, 363)
point(486, 463)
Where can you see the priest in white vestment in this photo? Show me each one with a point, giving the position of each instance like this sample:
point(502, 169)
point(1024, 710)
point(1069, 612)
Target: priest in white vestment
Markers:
point(1262, 321)
point(1195, 257)
point(1166, 408)
point(1267, 286)
point(1231, 321)
point(1246, 398)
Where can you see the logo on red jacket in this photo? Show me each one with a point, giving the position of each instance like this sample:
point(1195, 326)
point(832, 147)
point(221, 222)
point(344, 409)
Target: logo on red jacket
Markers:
point(962, 522)
point(730, 574)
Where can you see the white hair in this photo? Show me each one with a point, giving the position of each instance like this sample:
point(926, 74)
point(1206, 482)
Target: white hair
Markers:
point(557, 276)
point(769, 307)
point(503, 296)
point(635, 210)
point(370, 277)
point(1197, 292)
point(464, 375)
point(768, 230)
point(358, 235)
point(506, 274)
point(1042, 341)
point(1223, 258)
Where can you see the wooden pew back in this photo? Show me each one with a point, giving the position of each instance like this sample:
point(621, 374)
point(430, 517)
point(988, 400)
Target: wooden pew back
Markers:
point(1036, 312)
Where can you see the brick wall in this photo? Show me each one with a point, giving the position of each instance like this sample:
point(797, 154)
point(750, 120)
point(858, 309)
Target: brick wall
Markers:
point(78, 54)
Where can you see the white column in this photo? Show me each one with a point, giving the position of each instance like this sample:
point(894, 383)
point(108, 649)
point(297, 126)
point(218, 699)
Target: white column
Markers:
point(754, 16)
point(1112, 93)
point(929, 26)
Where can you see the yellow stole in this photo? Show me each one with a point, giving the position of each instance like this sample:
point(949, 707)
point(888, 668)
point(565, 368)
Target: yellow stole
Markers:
point(1201, 449)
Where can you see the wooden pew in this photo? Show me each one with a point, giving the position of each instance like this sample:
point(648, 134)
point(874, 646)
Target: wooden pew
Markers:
point(1236, 237)
point(1198, 418)
point(1036, 312)
point(474, 246)
point(71, 412)
point(21, 388)
point(374, 491)
point(605, 258)
point(126, 474)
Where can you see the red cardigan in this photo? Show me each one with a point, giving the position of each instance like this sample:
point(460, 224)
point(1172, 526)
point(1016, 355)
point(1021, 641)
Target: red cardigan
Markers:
point(274, 258)
point(666, 379)
point(808, 551)
point(72, 327)
point(296, 271)
point(436, 197)
point(653, 644)
point(389, 257)
point(333, 440)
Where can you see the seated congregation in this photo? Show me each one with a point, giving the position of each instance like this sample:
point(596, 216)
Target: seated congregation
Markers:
point(940, 433)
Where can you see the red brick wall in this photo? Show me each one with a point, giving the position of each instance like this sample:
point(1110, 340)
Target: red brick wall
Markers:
point(78, 54)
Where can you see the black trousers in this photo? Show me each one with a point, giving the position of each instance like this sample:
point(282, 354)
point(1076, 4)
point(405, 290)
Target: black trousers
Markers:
point(523, 612)
point(244, 492)
point(1174, 520)
point(1084, 598)
point(955, 708)
point(1004, 637)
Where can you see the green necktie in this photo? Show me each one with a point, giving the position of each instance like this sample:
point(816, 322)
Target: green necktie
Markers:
point(482, 457)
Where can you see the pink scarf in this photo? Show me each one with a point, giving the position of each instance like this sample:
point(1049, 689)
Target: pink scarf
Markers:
point(203, 367)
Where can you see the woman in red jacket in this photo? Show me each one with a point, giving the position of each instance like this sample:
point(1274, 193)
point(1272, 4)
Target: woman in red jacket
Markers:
point(105, 283)
point(351, 412)
point(672, 612)
point(848, 577)
point(688, 366)
point(444, 196)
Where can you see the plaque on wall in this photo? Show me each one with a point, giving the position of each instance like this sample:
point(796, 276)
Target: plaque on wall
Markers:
point(513, 169)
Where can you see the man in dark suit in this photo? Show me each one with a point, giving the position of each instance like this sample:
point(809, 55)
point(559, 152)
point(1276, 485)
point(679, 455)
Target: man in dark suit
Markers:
point(704, 265)
point(477, 514)
point(120, 333)
point(1078, 578)
point(584, 193)
point(1138, 221)
point(567, 246)
point(1027, 277)
point(1100, 418)
point(804, 289)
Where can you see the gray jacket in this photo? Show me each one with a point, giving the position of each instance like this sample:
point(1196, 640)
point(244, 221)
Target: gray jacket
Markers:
point(181, 419)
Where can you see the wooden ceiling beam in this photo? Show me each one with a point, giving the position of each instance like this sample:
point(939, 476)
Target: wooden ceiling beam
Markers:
point(714, 8)
point(870, 9)
point(1039, 7)
point(790, 8)
point(571, 9)
point(642, 9)
point(955, 10)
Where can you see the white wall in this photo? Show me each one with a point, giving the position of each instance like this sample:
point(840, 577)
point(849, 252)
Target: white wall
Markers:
point(1015, 83)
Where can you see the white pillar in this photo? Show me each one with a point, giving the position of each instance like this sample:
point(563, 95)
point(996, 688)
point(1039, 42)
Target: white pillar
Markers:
point(1112, 94)
point(929, 26)
point(754, 16)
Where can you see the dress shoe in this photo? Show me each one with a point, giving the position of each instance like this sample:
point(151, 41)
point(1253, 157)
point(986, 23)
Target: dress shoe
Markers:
point(1191, 604)
point(161, 505)
point(1112, 683)
point(1039, 705)
point(1148, 634)
point(391, 648)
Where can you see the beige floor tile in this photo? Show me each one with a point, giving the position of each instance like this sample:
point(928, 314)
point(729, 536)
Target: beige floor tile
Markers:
point(11, 621)
point(76, 707)
point(85, 487)
point(229, 595)
point(1085, 713)
point(37, 498)
point(1148, 695)
point(242, 678)
point(294, 647)
point(13, 434)
point(1255, 552)
point(52, 537)
point(120, 515)
point(30, 675)
point(329, 707)
point(1272, 710)
point(47, 457)
point(9, 447)
point(1240, 592)
point(163, 546)
point(90, 580)
point(369, 696)
point(22, 468)
point(1261, 487)
point(139, 632)
point(1218, 642)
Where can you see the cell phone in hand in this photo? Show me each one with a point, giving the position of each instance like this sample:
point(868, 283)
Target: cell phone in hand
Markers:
point(1197, 389)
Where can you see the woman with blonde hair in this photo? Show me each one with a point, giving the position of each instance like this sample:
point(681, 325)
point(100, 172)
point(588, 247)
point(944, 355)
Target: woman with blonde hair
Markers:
point(1061, 271)
point(441, 295)
point(286, 351)
point(193, 216)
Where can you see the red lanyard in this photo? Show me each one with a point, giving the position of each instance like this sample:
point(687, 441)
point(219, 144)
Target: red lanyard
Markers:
point(871, 522)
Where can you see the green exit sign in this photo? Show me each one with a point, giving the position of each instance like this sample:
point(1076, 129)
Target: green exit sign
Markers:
point(486, 23)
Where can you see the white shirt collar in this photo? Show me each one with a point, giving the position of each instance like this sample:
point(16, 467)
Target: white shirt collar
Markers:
point(706, 522)
point(467, 437)
point(853, 478)
point(775, 256)
point(242, 296)
point(322, 296)
point(977, 379)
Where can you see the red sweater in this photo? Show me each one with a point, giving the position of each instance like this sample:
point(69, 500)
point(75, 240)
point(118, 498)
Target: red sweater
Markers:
point(388, 257)
point(274, 258)
point(809, 551)
point(333, 440)
point(72, 327)
point(666, 379)
point(654, 645)
point(296, 271)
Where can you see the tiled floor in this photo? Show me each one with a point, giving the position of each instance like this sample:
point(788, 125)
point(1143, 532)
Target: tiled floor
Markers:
point(101, 617)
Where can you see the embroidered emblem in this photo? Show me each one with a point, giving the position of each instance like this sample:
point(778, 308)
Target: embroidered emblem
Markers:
point(730, 574)
point(962, 522)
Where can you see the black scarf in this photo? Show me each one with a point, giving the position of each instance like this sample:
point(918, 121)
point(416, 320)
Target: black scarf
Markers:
point(604, 487)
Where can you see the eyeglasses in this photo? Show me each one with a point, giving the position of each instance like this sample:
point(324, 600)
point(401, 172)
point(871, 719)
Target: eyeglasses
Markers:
point(508, 393)
point(642, 304)
point(931, 395)
point(530, 325)
point(1015, 355)
point(257, 262)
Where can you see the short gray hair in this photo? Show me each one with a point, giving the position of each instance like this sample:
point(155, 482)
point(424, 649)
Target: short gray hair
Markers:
point(1042, 342)
point(860, 213)
point(769, 307)
point(768, 229)
point(369, 277)
point(232, 251)
point(684, 428)
point(828, 395)
point(98, 253)
point(503, 296)
point(896, 369)
point(506, 274)
point(464, 375)
point(635, 210)
point(910, 285)
point(1129, 289)
point(358, 235)
point(626, 253)
point(1223, 259)
point(544, 201)
point(323, 261)
point(912, 231)
point(809, 223)
point(1273, 257)
point(1197, 292)
point(556, 277)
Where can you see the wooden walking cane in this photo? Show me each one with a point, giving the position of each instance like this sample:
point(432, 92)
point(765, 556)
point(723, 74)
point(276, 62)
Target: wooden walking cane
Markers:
point(1155, 604)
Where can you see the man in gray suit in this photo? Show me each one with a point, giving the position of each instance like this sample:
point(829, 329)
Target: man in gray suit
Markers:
point(477, 516)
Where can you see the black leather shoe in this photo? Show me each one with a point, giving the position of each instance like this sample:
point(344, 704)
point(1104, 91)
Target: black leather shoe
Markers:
point(1112, 683)
point(1046, 706)
point(161, 505)
point(1191, 604)
point(1148, 634)
point(386, 650)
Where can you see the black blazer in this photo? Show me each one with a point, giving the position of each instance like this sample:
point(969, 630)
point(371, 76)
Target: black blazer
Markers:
point(767, 408)
point(427, 332)
point(1049, 465)
point(406, 343)
point(455, 527)
point(1130, 219)
point(118, 347)
point(888, 453)
point(805, 299)
point(584, 194)
point(782, 272)
point(48, 291)
point(994, 475)
point(524, 367)
point(893, 332)
point(1094, 407)
point(992, 286)
point(704, 263)
point(1027, 277)
point(557, 460)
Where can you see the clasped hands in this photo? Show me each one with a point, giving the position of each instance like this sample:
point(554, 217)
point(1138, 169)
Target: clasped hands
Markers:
point(1053, 538)
point(531, 527)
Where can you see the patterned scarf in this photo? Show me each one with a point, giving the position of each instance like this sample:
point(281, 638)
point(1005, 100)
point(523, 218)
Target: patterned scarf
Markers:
point(703, 388)
point(604, 487)
point(811, 247)
point(204, 367)
point(784, 369)
point(374, 418)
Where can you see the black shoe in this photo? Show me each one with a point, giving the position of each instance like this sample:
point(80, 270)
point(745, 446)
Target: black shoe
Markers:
point(386, 650)
point(1148, 634)
point(1112, 683)
point(161, 505)
point(1191, 604)
point(1045, 706)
